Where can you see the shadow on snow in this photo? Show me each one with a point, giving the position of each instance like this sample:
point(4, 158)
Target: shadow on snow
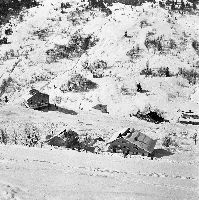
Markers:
point(53, 107)
point(159, 153)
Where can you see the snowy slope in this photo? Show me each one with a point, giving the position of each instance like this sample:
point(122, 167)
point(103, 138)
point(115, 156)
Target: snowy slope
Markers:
point(48, 173)
point(30, 173)
point(44, 27)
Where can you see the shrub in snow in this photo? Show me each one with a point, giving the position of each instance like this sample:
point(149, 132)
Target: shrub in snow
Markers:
point(3, 40)
point(168, 141)
point(65, 5)
point(191, 75)
point(172, 96)
point(86, 141)
point(5, 84)
point(86, 144)
point(195, 45)
point(107, 11)
point(100, 4)
point(171, 44)
point(163, 71)
point(154, 43)
point(76, 46)
point(41, 33)
point(109, 2)
point(74, 17)
point(125, 90)
point(160, 72)
point(96, 68)
point(147, 71)
point(14, 6)
point(78, 83)
point(39, 77)
point(8, 55)
point(51, 56)
point(160, 44)
point(144, 23)
point(93, 145)
point(194, 5)
point(182, 83)
point(3, 136)
point(79, 44)
point(31, 135)
point(58, 100)
point(126, 2)
point(95, 3)
point(161, 4)
point(134, 52)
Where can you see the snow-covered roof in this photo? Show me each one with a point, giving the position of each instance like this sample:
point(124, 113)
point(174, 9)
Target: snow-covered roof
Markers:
point(141, 140)
point(116, 134)
point(135, 137)
point(27, 96)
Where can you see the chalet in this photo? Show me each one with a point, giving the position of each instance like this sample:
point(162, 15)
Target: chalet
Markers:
point(102, 108)
point(36, 99)
point(67, 138)
point(135, 141)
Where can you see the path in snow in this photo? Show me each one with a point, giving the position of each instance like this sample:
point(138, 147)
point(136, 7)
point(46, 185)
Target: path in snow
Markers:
point(59, 174)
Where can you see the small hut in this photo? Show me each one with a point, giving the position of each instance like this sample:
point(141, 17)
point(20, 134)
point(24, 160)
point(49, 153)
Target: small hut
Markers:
point(36, 99)
point(133, 140)
point(102, 108)
point(67, 138)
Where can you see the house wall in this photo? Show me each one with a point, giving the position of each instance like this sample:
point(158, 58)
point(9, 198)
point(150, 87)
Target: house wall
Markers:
point(141, 140)
point(38, 100)
point(122, 144)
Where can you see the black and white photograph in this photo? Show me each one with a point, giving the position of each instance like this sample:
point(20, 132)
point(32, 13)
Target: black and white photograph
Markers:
point(99, 99)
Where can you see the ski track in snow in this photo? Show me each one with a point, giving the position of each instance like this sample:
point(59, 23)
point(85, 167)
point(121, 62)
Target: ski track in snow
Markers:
point(68, 167)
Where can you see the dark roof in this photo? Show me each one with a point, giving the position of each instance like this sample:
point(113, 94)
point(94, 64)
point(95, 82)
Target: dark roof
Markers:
point(38, 94)
point(141, 140)
point(135, 137)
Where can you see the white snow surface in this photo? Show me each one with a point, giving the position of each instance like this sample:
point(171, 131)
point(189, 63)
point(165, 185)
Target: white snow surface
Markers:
point(31, 173)
point(28, 68)
point(55, 173)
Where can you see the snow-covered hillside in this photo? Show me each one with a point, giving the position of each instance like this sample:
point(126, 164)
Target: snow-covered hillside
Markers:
point(48, 44)
point(83, 56)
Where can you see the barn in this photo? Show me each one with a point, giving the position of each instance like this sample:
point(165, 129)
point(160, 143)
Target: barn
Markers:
point(133, 140)
point(101, 107)
point(36, 99)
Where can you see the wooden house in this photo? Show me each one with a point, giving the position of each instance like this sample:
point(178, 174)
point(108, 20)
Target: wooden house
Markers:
point(134, 141)
point(37, 100)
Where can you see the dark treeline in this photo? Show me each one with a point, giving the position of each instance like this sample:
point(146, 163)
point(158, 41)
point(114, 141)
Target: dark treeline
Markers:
point(127, 2)
point(8, 7)
point(139, 2)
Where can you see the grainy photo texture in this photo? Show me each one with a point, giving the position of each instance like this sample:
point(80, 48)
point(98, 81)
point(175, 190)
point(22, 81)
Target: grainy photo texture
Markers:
point(99, 99)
